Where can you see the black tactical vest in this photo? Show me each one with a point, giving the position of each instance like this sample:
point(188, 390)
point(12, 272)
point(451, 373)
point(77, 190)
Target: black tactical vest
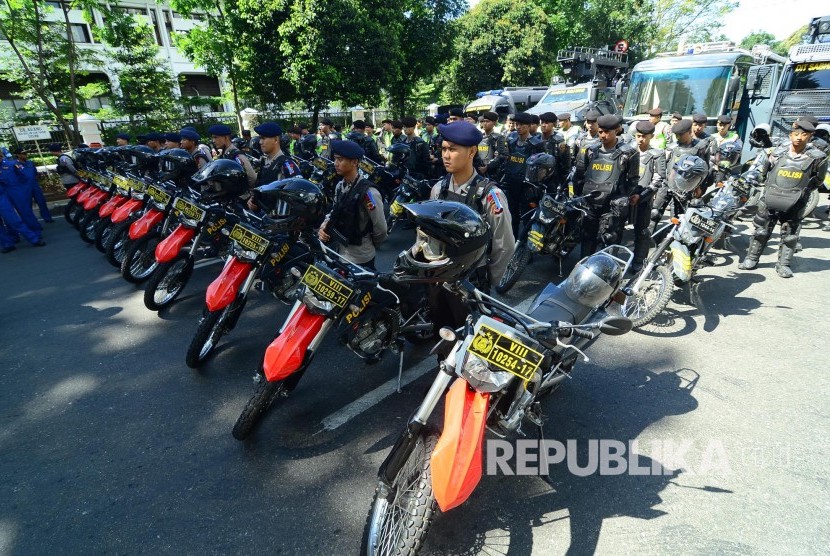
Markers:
point(270, 172)
point(517, 159)
point(345, 217)
point(604, 169)
point(476, 192)
point(789, 178)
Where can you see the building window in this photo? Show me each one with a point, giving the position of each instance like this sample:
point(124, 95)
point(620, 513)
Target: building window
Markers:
point(80, 32)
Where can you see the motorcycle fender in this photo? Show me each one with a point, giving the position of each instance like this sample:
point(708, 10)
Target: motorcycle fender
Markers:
point(681, 261)
point(109, 207)
point(124, 211)
point(147, 222)
point(287, 352)
point(456, 461)
point(169, 247)
point(222, 291)
point(85, 194)
point(96, 198)
point(75, 189)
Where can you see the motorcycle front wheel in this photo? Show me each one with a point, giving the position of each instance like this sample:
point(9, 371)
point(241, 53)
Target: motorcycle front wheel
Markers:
point(514, 269)
point(89, 225)
point(71, 210)
point(655, 292)
point(264, 396)
point(400, 515)
point(140, 258)
point(103, 232)
point(167, 282)
point(208, 334)
point(118, 242)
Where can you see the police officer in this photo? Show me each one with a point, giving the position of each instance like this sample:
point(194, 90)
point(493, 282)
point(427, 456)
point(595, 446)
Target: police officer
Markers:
point(221, 136)
point(65, 166)
point(534, 125)
point(610, 167)
point(429, 133)
point(172, 140)
point(418, 161)
point(556, 145)
point(566, 128)
point(589, 134)
point(492, 150)
point(662, 130)
point(122, 139)
point(190, 143)
point(652, 178)
point(367, 142)
point(199, 144)
point(455, 115)
point(699, 121)
point(11, 226)
point(154, 140)
point(326, 136)
point(463, 184)
point(791, 172)
point(356, 223)
point(275, 164)
point(520, 146)
point(724, 133)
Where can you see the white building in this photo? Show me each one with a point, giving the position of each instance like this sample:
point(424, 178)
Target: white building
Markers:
point(193, 81)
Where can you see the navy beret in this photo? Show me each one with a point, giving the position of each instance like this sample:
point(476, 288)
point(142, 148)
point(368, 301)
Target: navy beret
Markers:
point(591, 116)
point(699, 118)
point(268, 129)
point(124, 136)
point(548, 117)
point(19, 150)
point(523, 118)
point(408, 121)
point(608, 122)
point(55, 147)
point(397, 124)
point(154, 136)
point(359, 124)
point(461, 133)
point(347, 149)
point(492, 116)
point(429, 120)
point(220, 129)
point(190, 133)
point(457, 112)
point(441, 119)
point(683, 126)
point(174, 137)
point(645, 127)
point(327, 121)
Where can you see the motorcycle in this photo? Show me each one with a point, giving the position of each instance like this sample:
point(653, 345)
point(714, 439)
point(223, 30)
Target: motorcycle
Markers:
point(91, 201)
point(375, 315)
point(410, 190)
point(256, 255)
point(116, 221)
point(495, 375)
point(73, 207)
point(683, 250)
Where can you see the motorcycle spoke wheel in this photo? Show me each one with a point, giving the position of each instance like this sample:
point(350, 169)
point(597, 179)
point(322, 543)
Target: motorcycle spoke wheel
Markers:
point(167, 282)
point(207, 335)
point(118, 243)
point(401, 514)
point(88, 226)
point(72, 208)
point(264, 396)
point(103, 231)
point(78, 217)
point(655, 292)
point(514, 269)
point(140, 259)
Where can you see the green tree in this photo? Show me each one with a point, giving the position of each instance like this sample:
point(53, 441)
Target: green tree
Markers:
point(758, 37)
point(783, 47)
point(686, 21)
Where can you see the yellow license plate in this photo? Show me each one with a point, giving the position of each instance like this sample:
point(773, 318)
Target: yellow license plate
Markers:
point(249, 240)
point(83, 174)
point(320, 164)
point(188, 209)
point(505, 353)
point(159, 195)
point(137, 185)
point(326, 286)
point(366, 167)
point(120, 181)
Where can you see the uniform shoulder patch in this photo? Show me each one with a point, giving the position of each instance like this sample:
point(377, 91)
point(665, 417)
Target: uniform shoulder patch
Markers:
point(369, 201)
point(494, 203)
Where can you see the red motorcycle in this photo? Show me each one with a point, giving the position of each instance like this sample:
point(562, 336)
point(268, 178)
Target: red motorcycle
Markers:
point(139, 259)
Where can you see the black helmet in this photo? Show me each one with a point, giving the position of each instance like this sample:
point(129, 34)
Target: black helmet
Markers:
point(728, 154)
point(221, 180)
point(256, 148)
point(143, 157)
point(177, 163)
point(399, 154)
point(110, 155)
point(308, 144)
point(451, 241)
point(760, 137)
point(293, 204)
point(593, 280)
point(240, 143)
point(540, 168)
point(687, 174)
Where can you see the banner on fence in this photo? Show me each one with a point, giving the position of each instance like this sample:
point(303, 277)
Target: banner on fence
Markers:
point(32, 133)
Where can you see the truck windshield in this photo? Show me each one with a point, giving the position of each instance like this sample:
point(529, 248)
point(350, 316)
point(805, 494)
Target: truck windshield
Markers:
point(686, 90)
point(810, 75)
point(570, 94)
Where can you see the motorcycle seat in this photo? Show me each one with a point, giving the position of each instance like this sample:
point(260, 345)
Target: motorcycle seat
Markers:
point(553, 304)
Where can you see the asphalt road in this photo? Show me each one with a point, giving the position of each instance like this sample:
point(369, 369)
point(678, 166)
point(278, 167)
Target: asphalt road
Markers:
point(110, 444)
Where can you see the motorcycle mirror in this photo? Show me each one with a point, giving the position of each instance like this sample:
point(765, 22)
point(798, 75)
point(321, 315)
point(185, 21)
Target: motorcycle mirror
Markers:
point(447, 334)
point(615, 326)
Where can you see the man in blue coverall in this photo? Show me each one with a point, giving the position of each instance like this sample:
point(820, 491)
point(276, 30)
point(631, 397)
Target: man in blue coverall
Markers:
point(18, 192)
point(11, 226)
point(28, 176)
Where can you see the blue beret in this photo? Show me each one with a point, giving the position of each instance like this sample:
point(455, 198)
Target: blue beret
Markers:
point(461, 133)
point(124, 136)
point(347, 149)
point(219, 129)
point(441, 119)
point(55, 147)
point(190, 133)
point(269, 129)
point(154, 136)
point(172, 136)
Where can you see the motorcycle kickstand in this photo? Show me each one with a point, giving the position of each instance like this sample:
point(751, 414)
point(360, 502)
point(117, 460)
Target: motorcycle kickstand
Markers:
point(544, 476)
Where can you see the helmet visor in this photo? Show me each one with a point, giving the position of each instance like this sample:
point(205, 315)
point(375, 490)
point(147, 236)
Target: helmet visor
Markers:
point(429, 247)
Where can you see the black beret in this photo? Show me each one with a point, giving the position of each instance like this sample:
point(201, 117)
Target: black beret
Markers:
point(268, 129)
point(441, 119)
point(724, 119)
point(429, 120)
point(810, 118)
point(218, 129)
point(156, 136)
point(19, 150)
point(359, 124)
point(302, 125)
point(461, 133)
point(491, 116)
point(369, 124)
point(523, 118)
point(620, 119)
point(645, 127)
point(457, 112)
point(804, 124)
point(548, 117)
point(188, 133)
point(536, 118)
point(608, 122)
point(295, 130)
point(141, 139)
point(326, 121)
point(591, 116)
point(397, 124)
point(408, 121)
point(347, 149)
point(246, 133)
point(677, 115)
point(173, 136)
point(564, 116)
point(386, 121)
point(683, 126)
point(124, 136)
point(699, 118)
point(655, 112)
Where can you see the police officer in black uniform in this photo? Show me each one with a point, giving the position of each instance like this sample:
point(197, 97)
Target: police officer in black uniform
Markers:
point(221, 136)
point(652, 178)
point(418, 161)
point(275, 165)
point(492, 150)
point(686, 144)
point(520, 146)
point(612, 168)
point(370, 146)
point(790, 172)
point(556, 145)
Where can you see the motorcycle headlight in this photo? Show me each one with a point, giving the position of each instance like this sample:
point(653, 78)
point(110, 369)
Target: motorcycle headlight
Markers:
point(245, 255)
point(481, 377)
point(317, 305)
point(189, 222)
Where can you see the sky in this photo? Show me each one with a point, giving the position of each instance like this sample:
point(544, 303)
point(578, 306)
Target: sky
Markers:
point(779, 17)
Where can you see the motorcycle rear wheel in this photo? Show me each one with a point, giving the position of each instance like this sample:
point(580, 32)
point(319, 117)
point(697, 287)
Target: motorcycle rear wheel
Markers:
point(655, 292)
point(119, 241)
point(515, 267)
point(400, 515)
point(140, 259)
point(167, 282)
point(264, 396)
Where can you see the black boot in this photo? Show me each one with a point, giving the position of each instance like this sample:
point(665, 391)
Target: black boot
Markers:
point(752, 255)
point(785, 258)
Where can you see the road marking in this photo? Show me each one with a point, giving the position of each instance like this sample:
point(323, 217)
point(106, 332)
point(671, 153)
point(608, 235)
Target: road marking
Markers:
point(370, 399)
point(207, 262)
